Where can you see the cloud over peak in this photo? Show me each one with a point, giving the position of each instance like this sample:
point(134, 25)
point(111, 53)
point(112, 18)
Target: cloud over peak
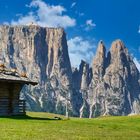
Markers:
point(46, 15)
point(80, 49)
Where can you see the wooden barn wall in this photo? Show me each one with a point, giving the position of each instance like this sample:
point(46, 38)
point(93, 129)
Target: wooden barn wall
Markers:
point(9, 98)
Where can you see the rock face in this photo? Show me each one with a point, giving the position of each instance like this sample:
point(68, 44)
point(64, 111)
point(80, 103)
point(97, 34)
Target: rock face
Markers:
point(97, 89)
point(115, 83)
point(42, 53)
point(81, 81)
point(114, 88)
point(110, 87)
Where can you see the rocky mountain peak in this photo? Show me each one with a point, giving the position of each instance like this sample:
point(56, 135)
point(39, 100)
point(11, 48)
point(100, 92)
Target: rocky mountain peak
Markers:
point(110, 87)
point(41, 53)
point(118, 54)
point(101, 47)
point(58, 59)
point(99, 61)
point(114, 93)
point(117, 48)
point(117, 45)
point(100, 53)
point(83, 76)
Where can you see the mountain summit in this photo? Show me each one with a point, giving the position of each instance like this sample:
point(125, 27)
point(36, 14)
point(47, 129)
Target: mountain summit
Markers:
point(110, 87)
point(115, 83)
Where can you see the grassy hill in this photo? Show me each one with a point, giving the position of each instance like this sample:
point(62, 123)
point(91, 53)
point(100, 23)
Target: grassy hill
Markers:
point(43, 126)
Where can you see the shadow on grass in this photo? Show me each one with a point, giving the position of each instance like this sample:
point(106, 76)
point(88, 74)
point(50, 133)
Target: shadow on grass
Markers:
point(26, 117)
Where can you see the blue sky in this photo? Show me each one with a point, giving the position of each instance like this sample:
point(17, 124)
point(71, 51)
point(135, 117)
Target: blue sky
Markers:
point(85, 21)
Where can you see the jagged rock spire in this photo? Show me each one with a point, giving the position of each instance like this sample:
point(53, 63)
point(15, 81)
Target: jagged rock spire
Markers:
point(117, 45)
point(118, 52)
point(99, 61)
point(100, 54)
point(85, 75)
point(111, 88)
point(117, 93)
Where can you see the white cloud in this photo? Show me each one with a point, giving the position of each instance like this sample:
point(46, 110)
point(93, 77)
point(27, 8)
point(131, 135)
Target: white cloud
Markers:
point(137, 63)
point(139, 30)
point(46, 15)
point(25, 19)
point(90, 24)
point(80, 49)
point(73, 4)
point(5, 23)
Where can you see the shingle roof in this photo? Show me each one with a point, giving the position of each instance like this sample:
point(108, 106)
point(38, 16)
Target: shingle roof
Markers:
point(14, 76)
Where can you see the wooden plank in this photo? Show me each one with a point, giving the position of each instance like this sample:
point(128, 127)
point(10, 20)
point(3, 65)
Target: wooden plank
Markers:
point(9, 99)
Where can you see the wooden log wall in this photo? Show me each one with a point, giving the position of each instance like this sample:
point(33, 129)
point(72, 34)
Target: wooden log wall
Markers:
point(9, 99)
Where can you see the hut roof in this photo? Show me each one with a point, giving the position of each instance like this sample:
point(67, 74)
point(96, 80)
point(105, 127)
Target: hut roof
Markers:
point(14, 77)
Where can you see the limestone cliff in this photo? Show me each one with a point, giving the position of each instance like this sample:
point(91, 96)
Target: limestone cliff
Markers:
point(115, 82)
point(114, 87)
point(110, 87)
point(42, 53)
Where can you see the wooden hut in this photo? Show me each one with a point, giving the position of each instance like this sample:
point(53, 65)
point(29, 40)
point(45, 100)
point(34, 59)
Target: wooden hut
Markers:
point(11, 84)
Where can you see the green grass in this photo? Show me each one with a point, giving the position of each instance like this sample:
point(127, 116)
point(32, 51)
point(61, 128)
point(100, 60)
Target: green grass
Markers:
point(43, 126)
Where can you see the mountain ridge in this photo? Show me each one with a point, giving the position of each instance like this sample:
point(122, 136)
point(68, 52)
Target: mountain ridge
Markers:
point(106, 88)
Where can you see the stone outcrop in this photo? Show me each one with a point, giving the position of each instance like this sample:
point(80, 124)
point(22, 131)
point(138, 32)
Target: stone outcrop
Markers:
point(97, 88)
point(81, 81)
point(42, 54)
point(115, 83)
point(111, 86)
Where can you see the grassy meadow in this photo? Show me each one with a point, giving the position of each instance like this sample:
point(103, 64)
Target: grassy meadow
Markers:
point(44, 126)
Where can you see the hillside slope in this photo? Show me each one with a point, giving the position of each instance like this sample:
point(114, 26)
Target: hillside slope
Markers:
point(43, 126)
